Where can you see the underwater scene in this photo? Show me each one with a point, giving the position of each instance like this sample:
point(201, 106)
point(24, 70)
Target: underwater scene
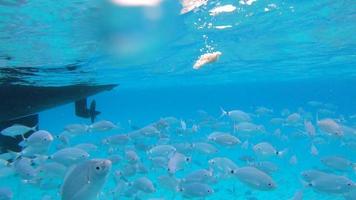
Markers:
point(177, 99)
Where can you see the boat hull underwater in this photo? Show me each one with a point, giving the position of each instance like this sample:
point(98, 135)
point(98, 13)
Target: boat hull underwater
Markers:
point(20, 104)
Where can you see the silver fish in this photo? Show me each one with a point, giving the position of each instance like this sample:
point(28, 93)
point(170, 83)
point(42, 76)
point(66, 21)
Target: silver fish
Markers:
point(85, 180)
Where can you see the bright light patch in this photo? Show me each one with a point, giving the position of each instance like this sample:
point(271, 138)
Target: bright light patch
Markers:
point(190, 5)
point(222, 9)
point(247, 2)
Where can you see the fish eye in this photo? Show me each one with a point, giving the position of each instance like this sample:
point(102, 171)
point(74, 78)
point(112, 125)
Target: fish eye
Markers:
point(270, 184)
point(97, 168)
point(232, 171)
point(209, 191)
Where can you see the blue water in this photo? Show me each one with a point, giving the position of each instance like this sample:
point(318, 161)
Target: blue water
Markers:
point(297, 52)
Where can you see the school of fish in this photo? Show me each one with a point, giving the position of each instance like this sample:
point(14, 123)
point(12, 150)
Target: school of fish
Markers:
point(237, 153)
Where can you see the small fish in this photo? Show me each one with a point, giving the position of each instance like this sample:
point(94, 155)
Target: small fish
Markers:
point(332, 184)
point(206, 148)
point(159, 162)
point(312, 174)
point(38, 139)
point(309, 128)
point(169, 182)
point(196, 190)
point(224, 139)
point(161, 150)
point(330, 126)
point(119, 139)
point(236, 115)
point(313, 150)
point(200, 176)
point(266, 166)
point(76, 129)
point(69, 156)
point(293, 119)
point(248, 127)
point(261, 111)
point(177, 162)
point(101, 126)
point(131, 156)
point(23, 167)
point(184, 147)
point(128, 170)
point(149, 131)
point(223, 165)
point(85, 180)
point(337, 163)
point(266, 149)
point(17, 129)
point(51, 170)
point(144, 184)
point(255, 178)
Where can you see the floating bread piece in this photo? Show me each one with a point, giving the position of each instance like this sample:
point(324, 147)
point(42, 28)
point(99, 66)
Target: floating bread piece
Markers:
point(206, 59)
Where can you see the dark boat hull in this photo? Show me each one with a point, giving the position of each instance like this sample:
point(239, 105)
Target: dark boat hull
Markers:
point(17, 101)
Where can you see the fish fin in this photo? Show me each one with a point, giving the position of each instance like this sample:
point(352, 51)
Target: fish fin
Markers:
point(17, 155)
point(223, 112)
point(23, 143)
point(34, 128)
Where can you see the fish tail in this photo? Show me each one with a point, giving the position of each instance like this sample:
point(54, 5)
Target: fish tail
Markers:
point(35, 127)
point(23, 137)
point(223, 112)
point(16, 154)
point(282, 153)
point(307, 184)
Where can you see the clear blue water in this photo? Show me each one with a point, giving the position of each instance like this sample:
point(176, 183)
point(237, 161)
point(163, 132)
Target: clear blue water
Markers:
point(297, 52)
